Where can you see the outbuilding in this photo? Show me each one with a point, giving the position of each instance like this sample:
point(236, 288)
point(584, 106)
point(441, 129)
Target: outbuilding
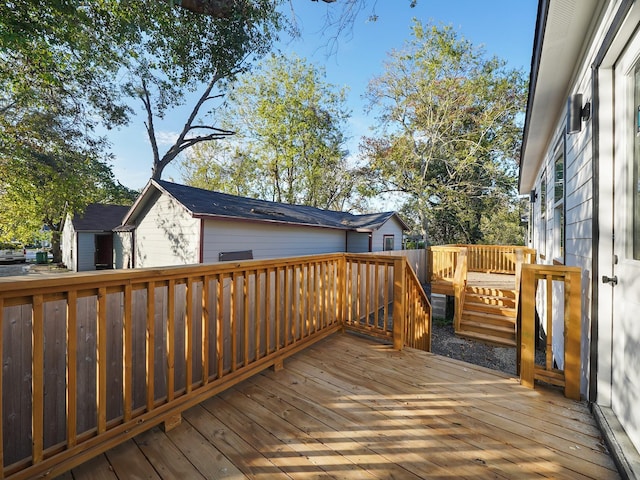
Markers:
point(173, 224)
point(88, 240)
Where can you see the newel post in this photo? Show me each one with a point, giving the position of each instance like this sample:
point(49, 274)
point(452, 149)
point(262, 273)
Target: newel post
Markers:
point(399, 266)
point(527, 332)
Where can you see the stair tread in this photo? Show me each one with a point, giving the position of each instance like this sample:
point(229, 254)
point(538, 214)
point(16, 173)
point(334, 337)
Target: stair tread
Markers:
point(500, 310)
point(488, 326)
point(484, 316)
point(505, 342)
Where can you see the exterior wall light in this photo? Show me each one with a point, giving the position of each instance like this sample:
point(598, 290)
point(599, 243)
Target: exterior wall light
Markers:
point(577, 113)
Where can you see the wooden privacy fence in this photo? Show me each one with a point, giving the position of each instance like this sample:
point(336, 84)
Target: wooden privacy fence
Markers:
point(559, 292)
point(92, 359)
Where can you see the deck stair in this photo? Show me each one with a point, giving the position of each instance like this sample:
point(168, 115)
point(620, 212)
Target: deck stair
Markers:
point(489, 315)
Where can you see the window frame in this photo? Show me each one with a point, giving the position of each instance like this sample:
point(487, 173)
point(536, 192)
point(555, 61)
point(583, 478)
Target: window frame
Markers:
point(384, 242)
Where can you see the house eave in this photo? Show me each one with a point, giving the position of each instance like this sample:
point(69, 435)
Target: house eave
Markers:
point(561, 30)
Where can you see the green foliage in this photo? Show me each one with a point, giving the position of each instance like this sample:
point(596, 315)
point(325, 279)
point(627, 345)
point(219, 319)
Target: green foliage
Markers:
point(449, 134)
point(290, 144)
point(67, 67)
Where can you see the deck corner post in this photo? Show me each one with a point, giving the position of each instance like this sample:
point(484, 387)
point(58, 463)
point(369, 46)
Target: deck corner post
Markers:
point(399, 266)
point(572, 331)
point(527, 334)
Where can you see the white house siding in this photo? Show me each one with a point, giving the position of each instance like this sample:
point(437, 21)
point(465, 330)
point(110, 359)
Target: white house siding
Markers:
point(268, 240)
point(123, 250)
point(357, 242)
point(391, 227)
point(68, 244)
point(85, 251)
point(166, 234)
point(615, 390)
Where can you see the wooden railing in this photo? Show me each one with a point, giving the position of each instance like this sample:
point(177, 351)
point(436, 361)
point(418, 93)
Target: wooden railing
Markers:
point(384, 299)
point(92, 359)
point(480, 258)
point(560, 292)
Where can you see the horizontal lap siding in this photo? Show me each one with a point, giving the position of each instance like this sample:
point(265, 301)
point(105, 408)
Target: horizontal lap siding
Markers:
point(391, 227)
point(166, 234)
point(268, 241)
point(357, 242)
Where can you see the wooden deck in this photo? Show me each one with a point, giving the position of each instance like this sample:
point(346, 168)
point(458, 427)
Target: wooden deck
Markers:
point(349, 407)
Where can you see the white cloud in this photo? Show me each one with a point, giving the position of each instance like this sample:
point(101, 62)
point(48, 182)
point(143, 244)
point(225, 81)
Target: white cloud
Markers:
point(166, 138)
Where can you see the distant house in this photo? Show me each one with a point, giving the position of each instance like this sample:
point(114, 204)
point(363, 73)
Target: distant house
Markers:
point(87, 239)
point(172, 224)
point(580, 166)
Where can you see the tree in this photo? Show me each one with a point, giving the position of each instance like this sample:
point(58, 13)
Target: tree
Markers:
point(290, 126)
point(66, 67)
point(449, 133)
point(48, 171)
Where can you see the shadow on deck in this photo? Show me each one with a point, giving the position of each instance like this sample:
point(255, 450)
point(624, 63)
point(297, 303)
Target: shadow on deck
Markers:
point(349, 407)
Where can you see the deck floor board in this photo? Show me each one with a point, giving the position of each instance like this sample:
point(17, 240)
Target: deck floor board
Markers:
point(352, 408)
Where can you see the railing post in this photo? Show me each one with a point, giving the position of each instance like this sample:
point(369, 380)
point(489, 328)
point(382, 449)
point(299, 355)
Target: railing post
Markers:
point(527, 334)
point(572, 333)
point(399, 265)
point(429, 265)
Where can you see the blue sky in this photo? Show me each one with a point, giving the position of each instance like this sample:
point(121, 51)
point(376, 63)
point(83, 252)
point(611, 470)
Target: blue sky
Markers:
point(504, 28)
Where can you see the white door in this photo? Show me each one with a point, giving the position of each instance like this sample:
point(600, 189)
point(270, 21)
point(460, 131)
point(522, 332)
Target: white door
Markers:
point(625, 322)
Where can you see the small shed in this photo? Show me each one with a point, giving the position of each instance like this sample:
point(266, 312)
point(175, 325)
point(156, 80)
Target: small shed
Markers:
point(176, 224)
point(88, 238)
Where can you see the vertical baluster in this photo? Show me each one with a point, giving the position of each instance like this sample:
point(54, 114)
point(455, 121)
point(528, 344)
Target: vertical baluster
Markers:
point(287, 305)
point(277, 308)
point(245, 326)
point(171, 339)
point(376, 288)
point(150, 342)
point(220, 327)
point(101, 355)
point(72, 379)
point(127, 353)
point(232, 322)
point(267, 312)
point(549, 350)
point(206, 320)
point(257, 313)
point(37, 379)
point(188, 335)
point(367, 295)
point(312, 295)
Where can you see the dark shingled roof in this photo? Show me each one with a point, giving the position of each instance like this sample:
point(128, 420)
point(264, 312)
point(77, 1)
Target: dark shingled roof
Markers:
point(99, 218)
point(208, 203)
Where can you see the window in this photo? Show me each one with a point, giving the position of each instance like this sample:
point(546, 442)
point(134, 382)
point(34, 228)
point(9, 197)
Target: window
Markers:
point(636, 166)
point(558, 208)
point(387, 242)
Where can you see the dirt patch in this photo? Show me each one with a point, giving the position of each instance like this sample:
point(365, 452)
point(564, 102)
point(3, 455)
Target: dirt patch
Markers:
point(445, 342)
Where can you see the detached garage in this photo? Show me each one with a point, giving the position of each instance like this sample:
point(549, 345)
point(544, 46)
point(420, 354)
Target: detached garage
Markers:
point(176, 224)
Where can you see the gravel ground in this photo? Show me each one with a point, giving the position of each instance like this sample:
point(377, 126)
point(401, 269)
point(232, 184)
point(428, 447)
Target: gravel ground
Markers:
point(444, 342)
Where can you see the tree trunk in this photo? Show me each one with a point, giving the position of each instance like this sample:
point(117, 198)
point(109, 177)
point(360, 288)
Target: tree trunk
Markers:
point(56, 249)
